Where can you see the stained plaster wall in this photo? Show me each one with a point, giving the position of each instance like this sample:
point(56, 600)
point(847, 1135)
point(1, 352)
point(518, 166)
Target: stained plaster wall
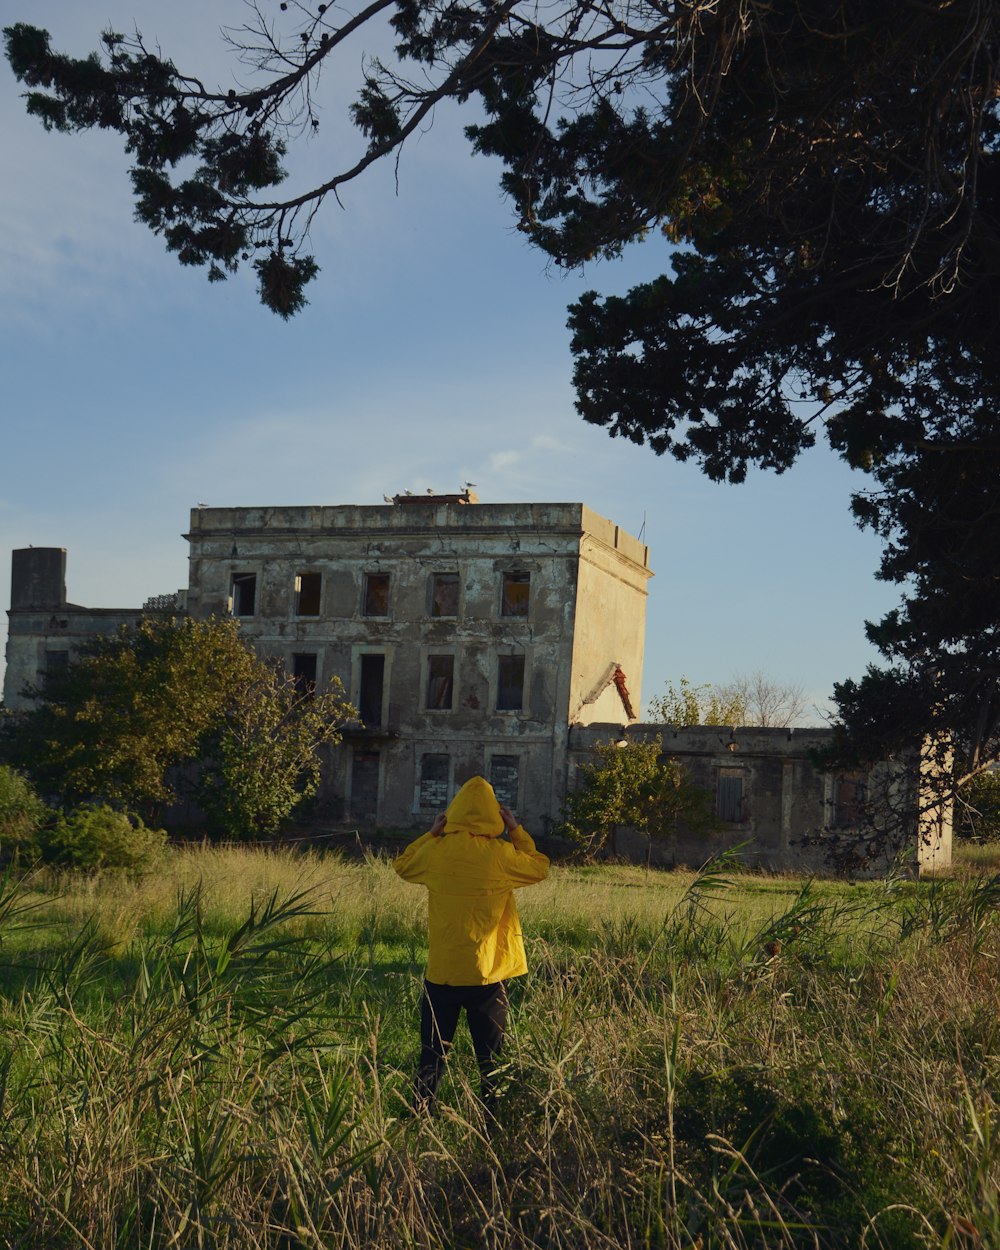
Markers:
point(789, 813)
point(557, 544)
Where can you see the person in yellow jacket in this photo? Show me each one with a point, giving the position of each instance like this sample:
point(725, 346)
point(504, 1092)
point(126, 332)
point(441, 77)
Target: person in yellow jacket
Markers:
point(470, 872)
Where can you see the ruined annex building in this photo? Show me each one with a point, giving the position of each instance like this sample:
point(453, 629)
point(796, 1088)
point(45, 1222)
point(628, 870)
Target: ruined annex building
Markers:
point(499, 639)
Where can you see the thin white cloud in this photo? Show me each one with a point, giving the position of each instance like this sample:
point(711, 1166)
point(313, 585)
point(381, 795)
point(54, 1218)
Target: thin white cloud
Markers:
point(501, 460)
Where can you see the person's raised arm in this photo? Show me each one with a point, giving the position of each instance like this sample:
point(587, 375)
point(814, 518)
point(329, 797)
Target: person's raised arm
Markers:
point(409, 864)
point(525, 865)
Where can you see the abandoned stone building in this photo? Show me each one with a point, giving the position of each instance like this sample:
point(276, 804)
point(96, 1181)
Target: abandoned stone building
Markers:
point(500, 639)
point(469, 636)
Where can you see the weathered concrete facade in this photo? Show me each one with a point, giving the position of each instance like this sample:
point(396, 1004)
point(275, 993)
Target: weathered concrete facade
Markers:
point(767, 791)
point(469, 636)
point(44, 629)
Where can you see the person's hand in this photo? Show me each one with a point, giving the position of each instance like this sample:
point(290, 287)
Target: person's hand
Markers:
point(509, 819)
point(438, 826)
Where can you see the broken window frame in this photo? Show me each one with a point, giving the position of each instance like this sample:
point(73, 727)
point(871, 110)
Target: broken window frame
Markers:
point(515, 593)
point(510, 685)
point(444, 594)
point(375, 594)
point(440, 687)
point(243, 594)
point(308, 593)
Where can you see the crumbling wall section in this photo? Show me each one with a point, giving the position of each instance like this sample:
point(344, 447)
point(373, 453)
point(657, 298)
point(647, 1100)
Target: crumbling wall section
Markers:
point(770, 797)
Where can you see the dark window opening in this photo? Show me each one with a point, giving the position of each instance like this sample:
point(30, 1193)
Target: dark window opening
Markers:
point(364, 787)
point(56, 663)
point(304, 672)
point(729, 803)
point(434, 782)
point(440, 680)
point(308, 587)
point(849, 794)
point(371, 689)
point(514, 594)
point(376, 594)
point(244, 596)
point(510, 683)
point(444, 594)
point(504, 771)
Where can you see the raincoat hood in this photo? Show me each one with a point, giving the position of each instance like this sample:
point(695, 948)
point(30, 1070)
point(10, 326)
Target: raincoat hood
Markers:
point(475, 809)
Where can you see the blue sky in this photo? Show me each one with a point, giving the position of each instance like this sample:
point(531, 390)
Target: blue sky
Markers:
point(433, 352)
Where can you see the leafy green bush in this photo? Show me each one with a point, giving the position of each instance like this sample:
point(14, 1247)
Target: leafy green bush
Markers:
point(134, 714)
point(99, 837)
point(634, 785)
point(22, 812)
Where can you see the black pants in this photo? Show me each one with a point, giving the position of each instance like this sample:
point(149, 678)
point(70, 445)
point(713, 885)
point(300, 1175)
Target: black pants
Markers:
point(486, 1013)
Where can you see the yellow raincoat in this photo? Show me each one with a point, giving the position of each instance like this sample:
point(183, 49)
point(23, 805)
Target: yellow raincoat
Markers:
point(470, 874)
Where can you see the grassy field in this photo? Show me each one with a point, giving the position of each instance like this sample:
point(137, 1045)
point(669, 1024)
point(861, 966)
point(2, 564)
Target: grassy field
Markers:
point(219, 1055)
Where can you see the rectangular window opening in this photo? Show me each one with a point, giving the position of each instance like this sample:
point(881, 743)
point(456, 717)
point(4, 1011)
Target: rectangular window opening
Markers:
point(244, 594)
point(56, 663)
point(504, 776)
point(376, 601)
point(849, 795)
point(514, 593)
point(365, 769)
point(440, 681)
point(308, 587)
point(304, 672)
point(729, 805)
point(510, 683)
point(371, 689)
point(434, 782)
point(444, 594)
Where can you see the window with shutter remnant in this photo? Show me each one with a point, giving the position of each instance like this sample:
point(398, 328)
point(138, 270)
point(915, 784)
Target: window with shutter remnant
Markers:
point(514, 593)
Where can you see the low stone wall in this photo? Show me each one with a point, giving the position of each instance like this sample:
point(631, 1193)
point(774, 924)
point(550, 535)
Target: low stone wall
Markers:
point(770, 797)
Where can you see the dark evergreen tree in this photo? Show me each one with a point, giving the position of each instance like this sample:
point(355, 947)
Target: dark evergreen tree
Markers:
point(828, 170)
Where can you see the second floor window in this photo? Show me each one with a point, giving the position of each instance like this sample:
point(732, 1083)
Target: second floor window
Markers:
point(244, 594)
point(440, 681)
point(510, 683)
point(307, 594)
point(370, 690)
point(444, 594)
point(376, 596)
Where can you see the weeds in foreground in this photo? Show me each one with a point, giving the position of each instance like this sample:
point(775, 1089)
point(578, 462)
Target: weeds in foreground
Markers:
point(824, 1076)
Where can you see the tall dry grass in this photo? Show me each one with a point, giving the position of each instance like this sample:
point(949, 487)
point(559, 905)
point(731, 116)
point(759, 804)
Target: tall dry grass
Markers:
point(719, 1062)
